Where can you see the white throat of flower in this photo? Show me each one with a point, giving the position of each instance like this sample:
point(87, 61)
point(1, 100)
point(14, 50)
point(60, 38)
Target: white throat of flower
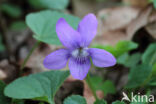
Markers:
point(80, 52)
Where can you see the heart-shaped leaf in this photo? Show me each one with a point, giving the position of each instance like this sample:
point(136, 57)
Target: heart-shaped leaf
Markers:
point(129, 61)
point(138, 75)
point(43, 24)
point(41, 86)
point(125, 46)
point(75, 99)
point(150, 55)
point(154, 2)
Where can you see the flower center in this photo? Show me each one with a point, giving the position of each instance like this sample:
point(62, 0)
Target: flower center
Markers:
point(80, 52)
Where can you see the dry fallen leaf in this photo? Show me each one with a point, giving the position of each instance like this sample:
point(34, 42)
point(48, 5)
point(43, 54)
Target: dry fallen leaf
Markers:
point(112, 24)
point(139, 22)
point(36, 60)
point(151, 27)
point(8, 71)
point(111, 37)
point(2, 75)
point(121, 23)
point(83, 7)
point(116, 18)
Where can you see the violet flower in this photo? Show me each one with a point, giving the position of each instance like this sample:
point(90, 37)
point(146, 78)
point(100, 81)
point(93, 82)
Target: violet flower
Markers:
point(76, 49)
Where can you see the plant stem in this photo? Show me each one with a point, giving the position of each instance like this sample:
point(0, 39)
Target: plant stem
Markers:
point(91, 87)
point(28, 56)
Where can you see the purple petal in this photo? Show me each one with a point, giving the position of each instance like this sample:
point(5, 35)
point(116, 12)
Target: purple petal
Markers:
point(88, 28)
point(79, 67)
point(102, 58)
point(69, 37)
point(56, 60)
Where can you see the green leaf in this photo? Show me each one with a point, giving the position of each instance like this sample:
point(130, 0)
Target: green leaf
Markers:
point(120, 48)
point(149, 56)
point(133, 60)
point(96, 82)
point(108, 48)
point(11, 10)
point(3, 99)
point(18, 25)
point(100, 102)
point(154, 2)
point(108, 87)
point(138, 75)
point(123, 59)
point(43, 24)
point(2, 48)
point(49, 4)
point(125, 46)
point(75, 99)
point(41, 86)
point(154, 70)
point(152, 81)
point(118, 102)
point(129, 61)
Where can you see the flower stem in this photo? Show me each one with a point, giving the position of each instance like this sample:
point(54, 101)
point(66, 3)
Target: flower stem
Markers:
point(28, 56)
point(91, 87)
